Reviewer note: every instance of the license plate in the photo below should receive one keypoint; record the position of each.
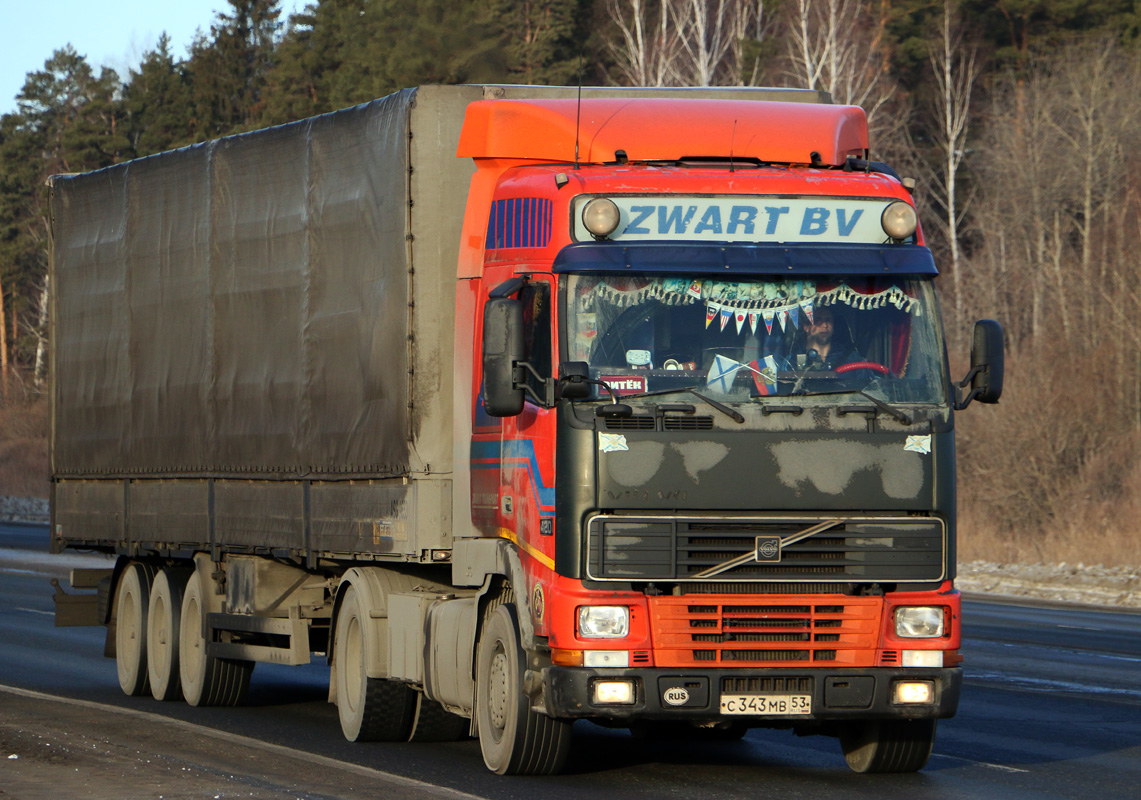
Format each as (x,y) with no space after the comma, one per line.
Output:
(766,704)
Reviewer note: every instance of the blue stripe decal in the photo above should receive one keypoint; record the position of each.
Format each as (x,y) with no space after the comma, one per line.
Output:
(508,454)
(519,222)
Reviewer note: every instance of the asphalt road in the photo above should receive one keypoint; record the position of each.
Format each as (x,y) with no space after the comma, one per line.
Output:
(1051,709)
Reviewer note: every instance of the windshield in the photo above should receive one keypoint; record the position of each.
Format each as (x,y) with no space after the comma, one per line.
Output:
(741,340)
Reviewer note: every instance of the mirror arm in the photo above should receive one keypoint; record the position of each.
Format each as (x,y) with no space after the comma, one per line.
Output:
(548,386)
(975,370)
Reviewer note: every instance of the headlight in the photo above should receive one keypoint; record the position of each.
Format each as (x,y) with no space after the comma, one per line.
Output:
(918,622)
(603,622)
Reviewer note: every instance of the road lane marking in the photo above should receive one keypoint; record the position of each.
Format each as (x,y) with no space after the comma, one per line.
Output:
(277,749)
(988,765)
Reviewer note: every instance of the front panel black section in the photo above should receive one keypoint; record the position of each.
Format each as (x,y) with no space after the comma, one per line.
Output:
(837,693)
(769,471)
(856,550)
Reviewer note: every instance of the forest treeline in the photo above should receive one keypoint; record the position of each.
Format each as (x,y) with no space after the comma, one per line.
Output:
(1018,119)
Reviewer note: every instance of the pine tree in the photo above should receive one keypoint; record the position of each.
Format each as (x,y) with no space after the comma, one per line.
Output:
(157,101)
(228,70)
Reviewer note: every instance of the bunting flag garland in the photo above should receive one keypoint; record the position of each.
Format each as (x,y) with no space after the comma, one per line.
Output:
(768,317)
(726,315)
(739,318)
(794,314)
(782,315)
(748,296)
(753,316)
(710,314)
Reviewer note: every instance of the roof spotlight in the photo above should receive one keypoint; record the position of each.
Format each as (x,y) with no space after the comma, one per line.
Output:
(601,217)
(899,220)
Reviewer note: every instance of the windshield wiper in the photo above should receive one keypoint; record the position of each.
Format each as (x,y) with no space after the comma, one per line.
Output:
(724,409)
(891,410)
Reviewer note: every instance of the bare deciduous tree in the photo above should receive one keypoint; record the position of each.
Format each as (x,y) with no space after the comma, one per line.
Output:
(685,42)
(838,46)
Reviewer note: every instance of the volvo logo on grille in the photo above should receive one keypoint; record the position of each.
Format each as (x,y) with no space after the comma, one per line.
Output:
(676,696)
(768,549)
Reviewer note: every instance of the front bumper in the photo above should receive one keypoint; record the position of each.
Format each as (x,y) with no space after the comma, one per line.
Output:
(837,694)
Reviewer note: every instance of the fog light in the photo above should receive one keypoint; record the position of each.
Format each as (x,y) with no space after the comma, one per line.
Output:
(914,692)
(923,658)
(606,658)
(613,692)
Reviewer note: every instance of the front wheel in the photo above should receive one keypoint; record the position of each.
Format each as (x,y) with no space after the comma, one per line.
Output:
(514,739)
(888,745)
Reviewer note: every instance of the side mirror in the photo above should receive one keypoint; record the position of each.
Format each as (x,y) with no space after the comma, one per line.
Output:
(502,350)
(987,352)
(574,380)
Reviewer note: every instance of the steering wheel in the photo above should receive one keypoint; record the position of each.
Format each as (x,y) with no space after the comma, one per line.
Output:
(872,365)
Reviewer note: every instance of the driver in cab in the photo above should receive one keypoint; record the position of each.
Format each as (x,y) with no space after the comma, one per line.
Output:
(828,344)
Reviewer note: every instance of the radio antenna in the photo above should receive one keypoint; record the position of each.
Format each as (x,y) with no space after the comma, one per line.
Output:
(732,139)
(578,111)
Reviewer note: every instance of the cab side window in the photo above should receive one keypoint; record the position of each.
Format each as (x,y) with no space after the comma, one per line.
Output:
(536,300)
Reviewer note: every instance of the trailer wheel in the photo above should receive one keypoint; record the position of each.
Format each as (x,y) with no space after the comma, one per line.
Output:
(888,745)
(163,616)
(371,709)
(514,739)
(131,604)
(206,680)
(434,723)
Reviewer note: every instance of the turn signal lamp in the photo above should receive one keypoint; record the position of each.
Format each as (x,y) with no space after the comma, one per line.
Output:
(899,221)
(601,217)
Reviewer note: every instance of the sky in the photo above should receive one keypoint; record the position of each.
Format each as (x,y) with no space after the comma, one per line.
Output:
(111,33)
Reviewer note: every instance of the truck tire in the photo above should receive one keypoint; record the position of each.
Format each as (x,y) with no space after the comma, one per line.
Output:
(163,616)
(888,745)
(206,680)
(514,739)
(132,601)
(433,723)
(371,709)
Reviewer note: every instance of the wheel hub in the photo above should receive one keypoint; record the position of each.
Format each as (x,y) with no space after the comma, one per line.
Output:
(497,681)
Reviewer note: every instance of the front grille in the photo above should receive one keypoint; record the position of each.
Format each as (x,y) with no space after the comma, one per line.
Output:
(856,550)
(729,632)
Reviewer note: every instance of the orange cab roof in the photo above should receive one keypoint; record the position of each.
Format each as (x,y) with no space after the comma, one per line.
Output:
(658,129)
